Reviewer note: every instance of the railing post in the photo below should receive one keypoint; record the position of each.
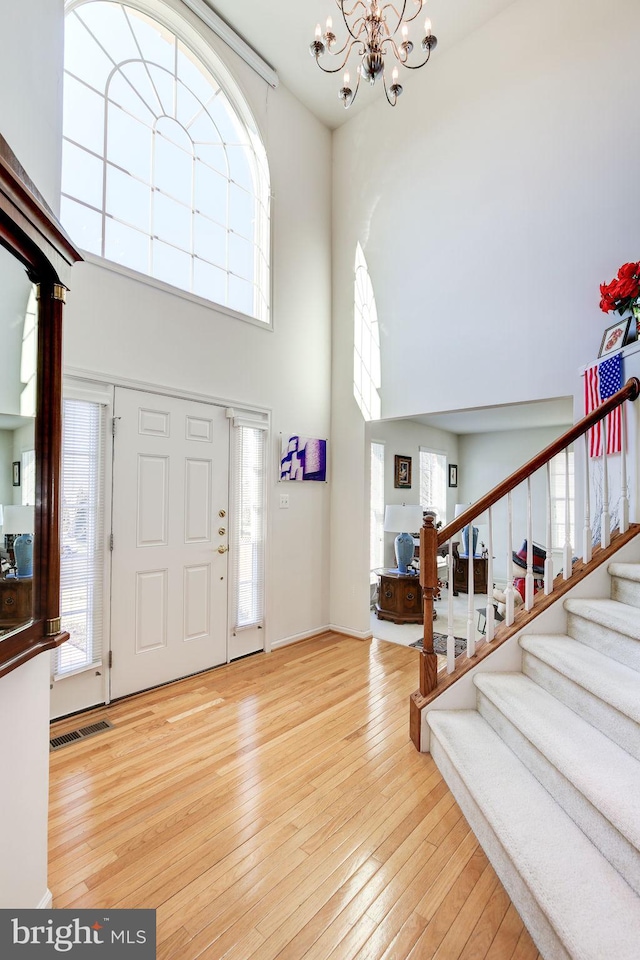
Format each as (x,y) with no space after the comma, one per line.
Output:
(429,584)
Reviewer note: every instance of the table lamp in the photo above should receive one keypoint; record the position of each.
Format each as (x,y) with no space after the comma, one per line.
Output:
(400,519)
(18,523)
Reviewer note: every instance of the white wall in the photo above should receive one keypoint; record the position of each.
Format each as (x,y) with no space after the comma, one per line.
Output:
(485,460)
(117,327)
(24,755)
(490,204)
(405,437)
(31,89)
(30,121)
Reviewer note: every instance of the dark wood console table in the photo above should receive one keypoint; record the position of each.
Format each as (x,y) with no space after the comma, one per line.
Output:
(461,574)
(15,601)
(399,597)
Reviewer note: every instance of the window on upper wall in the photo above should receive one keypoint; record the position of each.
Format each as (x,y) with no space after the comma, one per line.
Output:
(376,520)
(562,478)
(433,487)
(163,170)
(366,342)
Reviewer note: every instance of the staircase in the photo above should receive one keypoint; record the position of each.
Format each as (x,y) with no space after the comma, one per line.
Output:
(547,771)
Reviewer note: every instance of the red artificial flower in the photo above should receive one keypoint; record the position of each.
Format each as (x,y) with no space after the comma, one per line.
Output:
(627,270)
(623,291)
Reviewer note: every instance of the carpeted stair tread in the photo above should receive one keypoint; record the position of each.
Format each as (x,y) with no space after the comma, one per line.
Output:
(581,753)
(611,614)
(627,571)
(593,911)
(612,682)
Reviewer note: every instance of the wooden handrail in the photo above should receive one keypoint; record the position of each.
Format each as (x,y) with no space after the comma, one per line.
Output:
(630,391)
(431,539)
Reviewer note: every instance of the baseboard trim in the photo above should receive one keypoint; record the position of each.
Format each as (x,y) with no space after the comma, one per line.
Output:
(298,637)
(319,632)
(356,634)
(47,901)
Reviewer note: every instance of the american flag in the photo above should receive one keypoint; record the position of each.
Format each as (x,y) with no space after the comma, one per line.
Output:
(600,382)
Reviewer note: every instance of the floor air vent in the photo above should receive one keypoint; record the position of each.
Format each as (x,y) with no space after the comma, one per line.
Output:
(74,735)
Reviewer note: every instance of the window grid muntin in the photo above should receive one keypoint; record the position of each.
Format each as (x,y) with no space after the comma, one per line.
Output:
(254,162)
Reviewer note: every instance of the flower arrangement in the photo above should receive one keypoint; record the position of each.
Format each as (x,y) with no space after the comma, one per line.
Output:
(623,293)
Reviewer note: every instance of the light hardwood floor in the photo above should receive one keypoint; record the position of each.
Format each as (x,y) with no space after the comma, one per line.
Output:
(275,808)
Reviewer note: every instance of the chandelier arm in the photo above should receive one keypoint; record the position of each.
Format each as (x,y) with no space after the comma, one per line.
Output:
(350,13)
(418,66)
(394,47)
(400,16)
(342,65)
(391,102)
(355,92)
(416,14)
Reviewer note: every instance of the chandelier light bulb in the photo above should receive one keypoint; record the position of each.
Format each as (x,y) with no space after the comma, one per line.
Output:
(318,32)
(394,76)
(405,32)
(427,27)
(346,79)
(329,27)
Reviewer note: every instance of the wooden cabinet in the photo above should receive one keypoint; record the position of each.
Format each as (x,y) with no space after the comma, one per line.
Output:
(15,602)
(461,574)
(399,597)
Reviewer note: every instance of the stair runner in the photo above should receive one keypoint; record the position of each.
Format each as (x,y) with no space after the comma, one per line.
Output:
(547,772)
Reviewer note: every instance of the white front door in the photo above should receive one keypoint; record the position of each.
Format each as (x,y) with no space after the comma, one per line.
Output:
(170,506)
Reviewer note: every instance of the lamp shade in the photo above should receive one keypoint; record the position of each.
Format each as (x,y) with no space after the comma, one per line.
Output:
(402,518)
(18,519)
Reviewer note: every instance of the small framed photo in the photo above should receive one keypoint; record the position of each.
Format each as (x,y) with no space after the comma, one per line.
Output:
(614,337)
(453,474)
(16,473)
(402,472)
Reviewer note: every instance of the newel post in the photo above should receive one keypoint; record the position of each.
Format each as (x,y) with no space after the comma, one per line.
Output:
(429,584)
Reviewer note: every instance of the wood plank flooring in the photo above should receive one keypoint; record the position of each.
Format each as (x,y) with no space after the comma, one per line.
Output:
(275,808)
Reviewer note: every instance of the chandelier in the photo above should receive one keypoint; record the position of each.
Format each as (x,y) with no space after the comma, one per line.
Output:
(373,31)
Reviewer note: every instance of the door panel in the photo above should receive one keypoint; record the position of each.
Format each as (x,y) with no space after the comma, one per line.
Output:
(169,581)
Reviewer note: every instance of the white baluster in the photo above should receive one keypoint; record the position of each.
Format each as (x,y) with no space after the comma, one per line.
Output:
(568,549)
(605,536)
(471,630)
(624,486)
(587,542)
(528,580)
(490,625)
(548,563)
(509,603)
(451,643)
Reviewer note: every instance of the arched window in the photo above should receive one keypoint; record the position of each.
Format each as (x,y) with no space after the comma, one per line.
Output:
(163,170)
(366,342)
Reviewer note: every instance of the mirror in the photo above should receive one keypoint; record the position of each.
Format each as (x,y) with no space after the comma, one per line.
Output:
(18,343)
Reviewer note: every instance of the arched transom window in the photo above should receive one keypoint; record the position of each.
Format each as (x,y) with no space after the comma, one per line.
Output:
(163,170)
(366,342)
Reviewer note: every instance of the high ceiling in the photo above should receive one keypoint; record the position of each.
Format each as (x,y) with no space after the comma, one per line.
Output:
(281,31)
(557,412)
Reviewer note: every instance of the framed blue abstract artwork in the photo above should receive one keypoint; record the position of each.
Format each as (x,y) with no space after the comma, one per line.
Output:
(303,458)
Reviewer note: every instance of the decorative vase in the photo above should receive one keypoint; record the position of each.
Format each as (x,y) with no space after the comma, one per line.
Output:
(465,542)
(23,552)
(404,551)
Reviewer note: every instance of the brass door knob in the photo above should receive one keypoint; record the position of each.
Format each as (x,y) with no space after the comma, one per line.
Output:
(222,548)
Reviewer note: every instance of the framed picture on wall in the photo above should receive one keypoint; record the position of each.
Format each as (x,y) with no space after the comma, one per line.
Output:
(453,474)
(16,473)
(402,471)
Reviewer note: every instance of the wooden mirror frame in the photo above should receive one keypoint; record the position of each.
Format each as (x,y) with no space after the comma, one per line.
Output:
(30,231)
